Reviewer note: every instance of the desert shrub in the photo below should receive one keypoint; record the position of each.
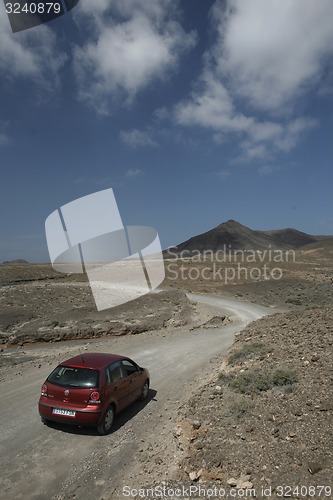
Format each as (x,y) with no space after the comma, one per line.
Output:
(256,381)
(251,382)
(258,349)
(284,376)
(295,300)
(240,408)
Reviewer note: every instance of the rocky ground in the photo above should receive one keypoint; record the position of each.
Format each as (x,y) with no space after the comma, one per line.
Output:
(39,305)
(265,418)
(263,423)
(300,279)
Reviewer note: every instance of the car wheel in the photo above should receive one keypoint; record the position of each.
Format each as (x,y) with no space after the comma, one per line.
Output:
(44,420)
(104,427)
(145,390)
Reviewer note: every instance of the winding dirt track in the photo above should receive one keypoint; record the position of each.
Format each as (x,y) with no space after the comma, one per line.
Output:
(59,462)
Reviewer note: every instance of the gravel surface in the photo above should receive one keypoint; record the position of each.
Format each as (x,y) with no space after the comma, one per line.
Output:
(265,418)
(258,420)
(61,462)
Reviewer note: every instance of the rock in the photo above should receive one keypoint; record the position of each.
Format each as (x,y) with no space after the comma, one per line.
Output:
(244,477)
(195,475)
(196,424)
(244,485)
(214,322)
(314,467)
(232,481)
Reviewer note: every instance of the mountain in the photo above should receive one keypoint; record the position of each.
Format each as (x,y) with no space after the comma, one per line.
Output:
(16,261)
(231,236)
(323,248)
(291,237)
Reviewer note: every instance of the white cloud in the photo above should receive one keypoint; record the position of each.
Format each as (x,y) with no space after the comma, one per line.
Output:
(161,114)
(266,169)
(265,139)
(291,134)
(252,151)
(31,54)
(136,138)
(223,174)
(262,61)
(134,172)
(273,50)
(211,106)
(120,59)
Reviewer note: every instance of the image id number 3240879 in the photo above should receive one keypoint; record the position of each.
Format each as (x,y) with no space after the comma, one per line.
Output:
(33,8)
(303,491)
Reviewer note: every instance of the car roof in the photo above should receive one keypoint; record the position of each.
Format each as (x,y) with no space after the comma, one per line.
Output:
(93,360)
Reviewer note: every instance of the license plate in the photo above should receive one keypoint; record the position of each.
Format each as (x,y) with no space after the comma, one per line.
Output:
(60,411)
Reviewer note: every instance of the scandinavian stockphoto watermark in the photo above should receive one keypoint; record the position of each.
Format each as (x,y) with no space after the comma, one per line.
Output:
(228,265)
(87,235)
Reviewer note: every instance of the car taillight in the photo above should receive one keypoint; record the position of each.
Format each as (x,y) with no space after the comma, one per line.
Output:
(94,396)
(44,390)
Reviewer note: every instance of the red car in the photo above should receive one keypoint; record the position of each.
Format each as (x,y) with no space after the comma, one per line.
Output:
(90,389)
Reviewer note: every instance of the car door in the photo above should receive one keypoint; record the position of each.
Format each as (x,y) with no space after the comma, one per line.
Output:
(117,389)
(134,379)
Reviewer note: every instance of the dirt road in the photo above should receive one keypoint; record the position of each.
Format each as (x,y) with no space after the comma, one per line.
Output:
(58,462)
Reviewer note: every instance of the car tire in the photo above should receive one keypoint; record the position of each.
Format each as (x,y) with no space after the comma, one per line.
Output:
(145,391)
(105,425)
(44,420)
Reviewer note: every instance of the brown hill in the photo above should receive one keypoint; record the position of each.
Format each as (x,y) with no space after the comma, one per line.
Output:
(16,261)
(231,236)
(322,248)
(291,237)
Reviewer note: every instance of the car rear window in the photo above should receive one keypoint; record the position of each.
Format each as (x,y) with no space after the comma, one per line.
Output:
(69,376)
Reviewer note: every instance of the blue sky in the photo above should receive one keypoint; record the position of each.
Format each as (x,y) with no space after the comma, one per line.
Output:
(193,111)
